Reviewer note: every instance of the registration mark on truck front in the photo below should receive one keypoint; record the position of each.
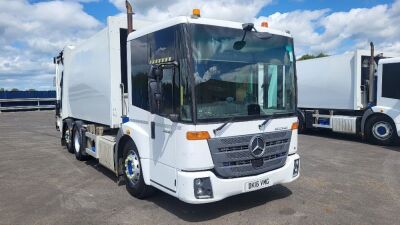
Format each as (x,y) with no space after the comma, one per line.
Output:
(258,184)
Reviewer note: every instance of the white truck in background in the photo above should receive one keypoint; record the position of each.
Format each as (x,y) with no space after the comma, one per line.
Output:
(336,93)
(198,108)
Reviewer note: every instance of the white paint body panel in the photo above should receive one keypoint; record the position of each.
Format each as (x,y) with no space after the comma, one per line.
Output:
(344,124)
(224,188)
(183,19)
(172,158)
(329,82)
(92,75)
(332,82)
(104,149)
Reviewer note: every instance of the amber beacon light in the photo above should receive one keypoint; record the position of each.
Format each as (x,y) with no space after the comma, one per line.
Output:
(264,24)
(196,13)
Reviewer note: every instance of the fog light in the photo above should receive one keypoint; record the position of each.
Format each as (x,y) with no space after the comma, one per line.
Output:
(202,188)
(296,167)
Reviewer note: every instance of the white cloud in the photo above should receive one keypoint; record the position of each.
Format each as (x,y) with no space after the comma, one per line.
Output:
(31,33)
(236,10)
(331,32)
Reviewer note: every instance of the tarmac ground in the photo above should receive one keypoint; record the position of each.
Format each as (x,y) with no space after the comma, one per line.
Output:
(343,181)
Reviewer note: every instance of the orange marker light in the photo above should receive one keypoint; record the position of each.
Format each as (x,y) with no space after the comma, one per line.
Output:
(295,126)
(196,12)
(197,135)
(264,24)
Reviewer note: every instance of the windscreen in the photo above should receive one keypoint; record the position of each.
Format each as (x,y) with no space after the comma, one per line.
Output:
(256,79)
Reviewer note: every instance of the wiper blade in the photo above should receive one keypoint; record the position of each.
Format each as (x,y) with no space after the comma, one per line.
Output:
(223,125)
(272,116)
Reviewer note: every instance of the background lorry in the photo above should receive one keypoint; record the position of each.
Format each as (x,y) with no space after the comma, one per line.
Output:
(355,93)
(198,108)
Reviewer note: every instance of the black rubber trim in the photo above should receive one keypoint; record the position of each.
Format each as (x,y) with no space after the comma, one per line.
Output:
(365,116)
(169,189)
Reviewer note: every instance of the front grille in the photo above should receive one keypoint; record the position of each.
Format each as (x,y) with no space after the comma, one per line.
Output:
(232,157)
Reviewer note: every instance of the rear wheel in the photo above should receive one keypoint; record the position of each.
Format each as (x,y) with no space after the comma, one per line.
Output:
(381,130)
(68,137)
(79,142)
(133,174)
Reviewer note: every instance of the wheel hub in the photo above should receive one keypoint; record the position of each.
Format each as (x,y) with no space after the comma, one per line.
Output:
(382,130)
(67,136)
(76,142)
(132,167)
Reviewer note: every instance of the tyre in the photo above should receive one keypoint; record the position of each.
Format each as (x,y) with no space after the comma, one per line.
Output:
(380,130)
(67,138)
(133,174)
(79,142)
(302,125)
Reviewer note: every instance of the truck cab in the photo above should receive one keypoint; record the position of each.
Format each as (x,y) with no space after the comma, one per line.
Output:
(211,108)
(388,98)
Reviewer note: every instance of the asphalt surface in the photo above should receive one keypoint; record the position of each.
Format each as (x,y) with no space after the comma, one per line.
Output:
(343,181)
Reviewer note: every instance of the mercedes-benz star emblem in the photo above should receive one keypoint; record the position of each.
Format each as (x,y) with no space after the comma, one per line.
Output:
(257,146)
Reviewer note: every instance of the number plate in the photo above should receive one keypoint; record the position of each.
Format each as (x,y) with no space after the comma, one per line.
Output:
(258,184)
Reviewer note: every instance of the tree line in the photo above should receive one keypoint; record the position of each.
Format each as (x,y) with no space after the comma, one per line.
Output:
(310,56)
(16,89)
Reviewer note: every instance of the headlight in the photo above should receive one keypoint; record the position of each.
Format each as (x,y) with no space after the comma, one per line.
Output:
(202,188)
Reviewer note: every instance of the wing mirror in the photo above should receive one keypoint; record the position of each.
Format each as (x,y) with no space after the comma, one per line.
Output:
(157,73)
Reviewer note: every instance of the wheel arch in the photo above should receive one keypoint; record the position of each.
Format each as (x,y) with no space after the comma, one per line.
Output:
(121,141)
(65,124)
(301,119)
(368,115)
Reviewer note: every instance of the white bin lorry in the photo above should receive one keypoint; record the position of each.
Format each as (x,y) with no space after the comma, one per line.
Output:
(356,93)
(198,108)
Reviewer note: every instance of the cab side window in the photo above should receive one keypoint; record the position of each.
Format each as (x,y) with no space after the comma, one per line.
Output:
(162,49)
(140,70)
(391,80)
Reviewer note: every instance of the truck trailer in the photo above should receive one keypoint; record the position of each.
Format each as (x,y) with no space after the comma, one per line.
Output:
(355,93)
(198,108)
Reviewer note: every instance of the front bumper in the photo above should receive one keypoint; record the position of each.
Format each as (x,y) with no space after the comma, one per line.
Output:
(223,188)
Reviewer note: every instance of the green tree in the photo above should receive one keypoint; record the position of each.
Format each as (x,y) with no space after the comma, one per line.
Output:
(308,56)
(2,89)
(14,89)
(31,89)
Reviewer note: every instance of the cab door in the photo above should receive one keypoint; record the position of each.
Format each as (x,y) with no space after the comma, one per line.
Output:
(163,171)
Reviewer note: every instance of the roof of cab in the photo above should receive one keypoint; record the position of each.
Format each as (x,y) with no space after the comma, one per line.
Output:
(184,19)
(389,60)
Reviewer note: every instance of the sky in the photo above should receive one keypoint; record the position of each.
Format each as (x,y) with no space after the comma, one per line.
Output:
(33,31)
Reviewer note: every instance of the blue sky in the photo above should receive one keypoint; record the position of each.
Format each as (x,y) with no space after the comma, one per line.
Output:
(33,31)
(334,5)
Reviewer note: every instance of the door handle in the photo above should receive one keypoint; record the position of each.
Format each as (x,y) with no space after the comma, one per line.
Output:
(167,131)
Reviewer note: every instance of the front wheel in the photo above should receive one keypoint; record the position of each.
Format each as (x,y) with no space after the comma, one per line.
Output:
(133,174)
(380,130)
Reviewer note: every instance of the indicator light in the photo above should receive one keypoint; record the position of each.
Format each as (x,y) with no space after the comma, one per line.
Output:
(197,135)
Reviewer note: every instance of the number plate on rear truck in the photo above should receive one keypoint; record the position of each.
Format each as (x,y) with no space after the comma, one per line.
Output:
(257,184)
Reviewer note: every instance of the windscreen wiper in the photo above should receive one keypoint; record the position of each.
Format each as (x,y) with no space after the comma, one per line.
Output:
(272,116)
(223,125)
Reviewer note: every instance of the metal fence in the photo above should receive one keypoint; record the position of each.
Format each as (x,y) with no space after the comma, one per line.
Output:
(27,100)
